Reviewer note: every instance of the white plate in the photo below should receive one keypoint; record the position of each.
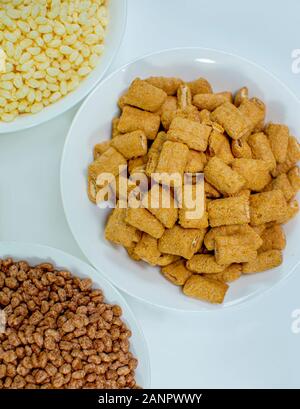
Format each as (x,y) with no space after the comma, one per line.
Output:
(35,254)
(92,125)
(114,35)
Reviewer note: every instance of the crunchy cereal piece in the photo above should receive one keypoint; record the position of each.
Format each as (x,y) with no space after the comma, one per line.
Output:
(293,156)
(294,178)
(141,94)
(255,110)
(121,102)
(244,229)
(240,96)
(114,127)
(205,289)
(230,274)
(100,148)
(131,252)
(168,84)
(109,162)
(234,249)
(168,111)
(241,149)
(204,116)
(172,160)
(181,242)
(264,261)
(282,183)
(200,86)
(222,177)
(261,149)
(195,162)
(211,101)
(194,215)
(131,145)
(92,189)
(137,163)
(144,221)
(133,119)
(166,259)
(291,211)
(193,134)
(118,231)
(210,191)
(254,171)
(160,202)
(154,152)
(218,145)
(205,263)
(176,272)
(244,192)
(273,239)
(235,123)
(232,210)
(267,207)
(279,138)
(147,249)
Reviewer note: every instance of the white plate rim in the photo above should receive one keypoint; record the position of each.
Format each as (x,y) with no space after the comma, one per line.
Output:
(77,95)
(251,298)
(33,250)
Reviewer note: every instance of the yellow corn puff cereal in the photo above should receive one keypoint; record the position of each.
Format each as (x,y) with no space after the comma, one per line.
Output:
(218,145)
(181,242)
(176,272)
(144,221)
(168,84)
(160,202)
(211,101)
(204,263)
(230,274)
(267,207)
(200,86)
(241,95)
(235,123)
(255,110)
(222,177)
(282,183)
(261,149)
(131,145)
(241,149)
(195,162)
(294,178)
(172,160)
(264,261)
(234,249)
(232,210)
(205,289)
(118,231)
(254,171)
(168,111)
(279,138)
(273,239)
(147,249)
(193,134)
(141,94)
(133,119)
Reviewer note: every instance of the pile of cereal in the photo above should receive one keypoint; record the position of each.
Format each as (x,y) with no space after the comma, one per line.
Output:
(50,47)
(251,180)
(59,332)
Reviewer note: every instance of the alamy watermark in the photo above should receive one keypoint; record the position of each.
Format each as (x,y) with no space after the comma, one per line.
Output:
(163,191)
(295,327)
(296,61)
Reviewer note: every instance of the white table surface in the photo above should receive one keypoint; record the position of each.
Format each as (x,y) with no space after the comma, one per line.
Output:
(252,347)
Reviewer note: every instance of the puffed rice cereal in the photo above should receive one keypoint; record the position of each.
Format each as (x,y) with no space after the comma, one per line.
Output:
(50,46)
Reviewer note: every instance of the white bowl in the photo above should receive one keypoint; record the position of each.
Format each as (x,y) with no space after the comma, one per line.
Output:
(115,32)
(35,254)
(91,125)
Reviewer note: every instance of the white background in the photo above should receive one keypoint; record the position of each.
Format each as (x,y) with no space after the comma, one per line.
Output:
(252,347)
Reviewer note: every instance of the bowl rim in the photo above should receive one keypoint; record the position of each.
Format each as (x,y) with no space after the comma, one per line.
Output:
(84,266)
(42,116)
(251,298)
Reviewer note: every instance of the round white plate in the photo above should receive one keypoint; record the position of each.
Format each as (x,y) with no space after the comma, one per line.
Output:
(92,124)
(114,35)
(35,254)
